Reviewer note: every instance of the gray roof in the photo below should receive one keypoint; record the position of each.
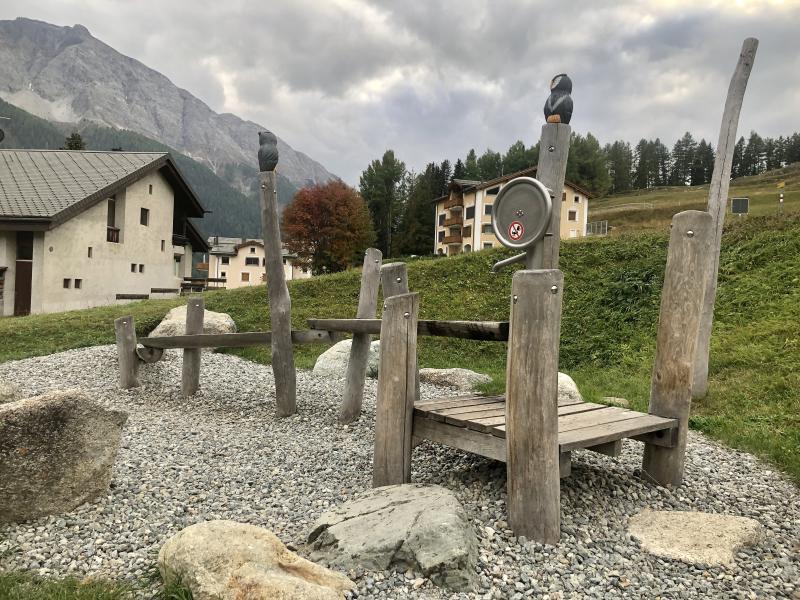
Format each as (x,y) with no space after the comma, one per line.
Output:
(229,246)
(47,184)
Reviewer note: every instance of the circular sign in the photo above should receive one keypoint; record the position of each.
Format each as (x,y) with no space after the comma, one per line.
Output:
(521,212)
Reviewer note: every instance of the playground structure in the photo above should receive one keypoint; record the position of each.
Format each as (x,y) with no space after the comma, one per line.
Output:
(528,428)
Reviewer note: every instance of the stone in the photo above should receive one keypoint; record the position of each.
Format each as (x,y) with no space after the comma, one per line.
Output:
(174,323)
(9,392)
(333,362)
(461,379)
(613,401)
(419,527)
(57,451)
(226,560)
(568,389)
(698,538)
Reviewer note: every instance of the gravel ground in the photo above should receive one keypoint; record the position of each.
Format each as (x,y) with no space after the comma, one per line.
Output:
(223,455)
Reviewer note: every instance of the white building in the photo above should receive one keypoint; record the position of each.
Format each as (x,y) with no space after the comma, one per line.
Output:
(241,262)
(81,229)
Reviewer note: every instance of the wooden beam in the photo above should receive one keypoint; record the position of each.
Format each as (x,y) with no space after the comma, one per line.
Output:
(608,448)
(232,340)
(190,376)
(125,331)
(551,170)
(496,331)
(132,297)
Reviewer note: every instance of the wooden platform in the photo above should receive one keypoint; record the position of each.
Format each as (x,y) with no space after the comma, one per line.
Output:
(477,424)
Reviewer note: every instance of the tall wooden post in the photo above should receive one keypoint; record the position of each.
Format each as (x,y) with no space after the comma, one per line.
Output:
(688,262)
(394,413)
(190,377)
(394,281)
(359,350)
(280,304)
(717,205)
(532,453)
(125,331)
(551,170)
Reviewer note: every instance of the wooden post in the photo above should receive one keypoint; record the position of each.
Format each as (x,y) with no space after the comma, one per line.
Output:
(280,304)
(532,452)
(359,350)
(690,244)
(125,331)
(717,205)
(394,281)
(551,170)
(396,391)
(190,377)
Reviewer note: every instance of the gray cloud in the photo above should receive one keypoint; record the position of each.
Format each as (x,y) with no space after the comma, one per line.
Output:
(346,79)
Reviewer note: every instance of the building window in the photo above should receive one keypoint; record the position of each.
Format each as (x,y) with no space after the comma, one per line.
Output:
(78,284)
(487,228)
(133,268)
(178,266)
(441,220)
(467,248)
(573,215)
(470,213)
(487,209)
(577,199)
(245,276)
(493,192)
(251,261)
(150,189)
(163,245)
(67,283)
(141,268)
(563,196)
(305,269)
(252,250)
(90,252)
(222,274)
(487,245)
(467,231)
(441,236)
(112,231)
(144,216)
(226,260)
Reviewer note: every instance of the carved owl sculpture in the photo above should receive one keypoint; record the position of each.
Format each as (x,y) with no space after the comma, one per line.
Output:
(558,108)
(267,151)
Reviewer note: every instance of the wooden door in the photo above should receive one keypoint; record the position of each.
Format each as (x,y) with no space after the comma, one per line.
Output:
(22,287)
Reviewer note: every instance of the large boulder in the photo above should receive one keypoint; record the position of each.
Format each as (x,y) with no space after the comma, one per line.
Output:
(174,323)
(57,451)
(461,379)
(8,392)
(421,527)
(225,560)
(333,362)
(698,538)
(568,389)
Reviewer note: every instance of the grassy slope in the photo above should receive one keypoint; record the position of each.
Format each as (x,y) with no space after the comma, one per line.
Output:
(612,295)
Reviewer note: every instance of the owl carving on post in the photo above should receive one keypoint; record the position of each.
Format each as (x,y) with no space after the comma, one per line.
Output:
(558,108)
(267,151)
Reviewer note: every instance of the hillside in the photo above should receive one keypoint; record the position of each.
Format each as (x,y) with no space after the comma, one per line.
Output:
(232,213)
(611,302)
(653,208)
(65,74)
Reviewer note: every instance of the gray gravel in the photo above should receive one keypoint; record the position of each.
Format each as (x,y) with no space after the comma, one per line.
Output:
(223,455)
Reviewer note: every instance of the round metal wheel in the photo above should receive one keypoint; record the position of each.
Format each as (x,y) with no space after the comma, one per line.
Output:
(521,213)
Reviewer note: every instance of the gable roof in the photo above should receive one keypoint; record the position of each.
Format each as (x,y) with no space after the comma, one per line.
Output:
(230,246)
(49,187)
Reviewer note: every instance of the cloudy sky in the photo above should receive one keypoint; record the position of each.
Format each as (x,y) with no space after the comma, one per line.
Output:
(343,80)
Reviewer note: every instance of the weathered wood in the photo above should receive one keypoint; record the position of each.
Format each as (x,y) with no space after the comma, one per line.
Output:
(496,331)
(125,331)
(132,296)
(164,290)
(608,432)
(190,377)
(233,340)
(690,243)
(394,279)
(359,350)
(532,405)
(717,205)
(608,448)
(394,412)
(564,464)
(280,304)
(149,355)
(552,167)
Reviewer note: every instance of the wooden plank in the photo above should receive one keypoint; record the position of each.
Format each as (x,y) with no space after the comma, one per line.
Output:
(608,448)
(125,331)
(232,340)
(668,438)
(532,405)
(164,290)
(456,401)
(552,167)
(280,304)
(496,331)
(132,296)
(608,432)
(690,244)
(495,424)
(717,206)
(396,391)
(564,464)
(466,412)
(353,395)
(394,279)
(190,375)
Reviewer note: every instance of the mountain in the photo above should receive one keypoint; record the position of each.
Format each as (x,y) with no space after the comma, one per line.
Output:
(65,74)
(232,213)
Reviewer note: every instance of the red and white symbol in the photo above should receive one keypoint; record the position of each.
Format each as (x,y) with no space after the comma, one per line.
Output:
(516,230)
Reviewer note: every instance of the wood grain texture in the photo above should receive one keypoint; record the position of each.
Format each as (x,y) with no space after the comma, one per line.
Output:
(190,375)
(691,241)
(233,340)
(532,405)
(280,304)
(550,171)
(125,331)
(717,206)
(394,412)
(353,395)
(496,331)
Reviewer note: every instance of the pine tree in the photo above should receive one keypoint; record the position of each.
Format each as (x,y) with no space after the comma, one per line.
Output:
(619,162)
(379,186)
(516,158)
(74,142)
(471,170)
(737,164)
(459,170)
(490,165)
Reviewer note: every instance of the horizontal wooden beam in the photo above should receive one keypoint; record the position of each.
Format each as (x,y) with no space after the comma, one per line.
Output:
(164,290)
(133,296)
(473,330)
(232,340)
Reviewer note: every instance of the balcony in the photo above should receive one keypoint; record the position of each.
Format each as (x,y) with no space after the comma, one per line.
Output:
(456,220)
(179,239)
(454,203)
(112,234)
(452,239)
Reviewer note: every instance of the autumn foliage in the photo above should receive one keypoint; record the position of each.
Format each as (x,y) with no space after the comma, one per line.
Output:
(328,227)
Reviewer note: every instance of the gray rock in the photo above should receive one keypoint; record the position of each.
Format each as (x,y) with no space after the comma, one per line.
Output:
(418,527)
(8,392)
(333,362)
(461,379)
(567,388)
(614,401)
(56,452)
(174,323)
(226,560)
(698,538)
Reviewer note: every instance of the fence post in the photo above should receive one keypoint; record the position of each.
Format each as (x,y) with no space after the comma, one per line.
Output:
(125,331)
(394,281)
(532,452)
(359,350)
(689,259)
(394,413)
(551,170)
(190,377)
